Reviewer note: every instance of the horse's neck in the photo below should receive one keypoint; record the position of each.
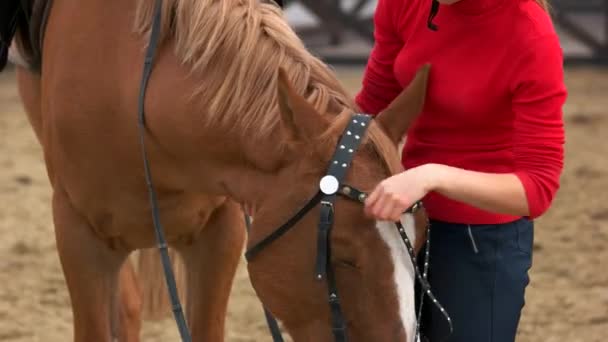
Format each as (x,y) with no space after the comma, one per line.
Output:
(228,160)
(237,166)
(247,168)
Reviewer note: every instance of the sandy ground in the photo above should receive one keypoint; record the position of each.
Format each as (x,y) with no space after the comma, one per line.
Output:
(567,299)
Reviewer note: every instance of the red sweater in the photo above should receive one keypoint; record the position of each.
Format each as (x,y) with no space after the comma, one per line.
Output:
(494,99)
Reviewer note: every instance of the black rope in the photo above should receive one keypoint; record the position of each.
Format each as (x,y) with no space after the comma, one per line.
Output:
(427,250)
(158,229)
(422,277)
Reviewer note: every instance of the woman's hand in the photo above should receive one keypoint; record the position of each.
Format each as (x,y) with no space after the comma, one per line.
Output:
(396,194)
(502,193)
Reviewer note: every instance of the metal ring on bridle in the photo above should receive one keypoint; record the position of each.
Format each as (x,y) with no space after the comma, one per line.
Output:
(329,185)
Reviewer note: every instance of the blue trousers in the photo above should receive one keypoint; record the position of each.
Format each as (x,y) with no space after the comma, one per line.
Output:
(479,273)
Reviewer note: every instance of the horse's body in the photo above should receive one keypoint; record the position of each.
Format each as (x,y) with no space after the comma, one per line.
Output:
(107,208)
(127,316)
(212,144)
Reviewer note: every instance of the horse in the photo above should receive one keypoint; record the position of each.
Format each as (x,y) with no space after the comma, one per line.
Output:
(141,287)
(238,112)
(130,308)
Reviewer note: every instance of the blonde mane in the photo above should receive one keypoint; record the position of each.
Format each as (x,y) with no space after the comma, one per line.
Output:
(236,47)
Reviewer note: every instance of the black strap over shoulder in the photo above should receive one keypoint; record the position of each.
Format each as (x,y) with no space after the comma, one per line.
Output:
(158,229)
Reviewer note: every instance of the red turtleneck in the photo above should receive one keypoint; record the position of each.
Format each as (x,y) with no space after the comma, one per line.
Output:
(495,93)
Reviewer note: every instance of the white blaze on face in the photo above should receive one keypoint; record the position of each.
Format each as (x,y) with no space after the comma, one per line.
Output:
(403,270)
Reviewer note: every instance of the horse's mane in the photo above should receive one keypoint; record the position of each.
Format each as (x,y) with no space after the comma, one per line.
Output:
(237,46)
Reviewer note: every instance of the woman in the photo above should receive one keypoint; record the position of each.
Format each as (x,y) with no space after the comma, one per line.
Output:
(486,153)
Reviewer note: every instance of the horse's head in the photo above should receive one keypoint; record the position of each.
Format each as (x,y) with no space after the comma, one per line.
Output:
(372,270)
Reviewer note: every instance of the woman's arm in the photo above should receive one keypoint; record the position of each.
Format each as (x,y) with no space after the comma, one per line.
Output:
(379,86)
(501,193)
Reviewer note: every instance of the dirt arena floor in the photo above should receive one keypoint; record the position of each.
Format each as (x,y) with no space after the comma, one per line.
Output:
(567,299)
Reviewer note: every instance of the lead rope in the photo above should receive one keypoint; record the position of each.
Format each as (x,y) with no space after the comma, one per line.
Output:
(158,229)
(426,287)
(427,249)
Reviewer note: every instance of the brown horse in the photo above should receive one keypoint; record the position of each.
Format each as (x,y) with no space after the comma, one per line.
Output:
(220,134)
(129,305)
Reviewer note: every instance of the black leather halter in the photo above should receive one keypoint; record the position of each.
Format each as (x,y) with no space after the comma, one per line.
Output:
(330,187)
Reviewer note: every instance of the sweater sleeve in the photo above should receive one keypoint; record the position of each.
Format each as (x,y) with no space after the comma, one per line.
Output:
(538,95)
(380,86)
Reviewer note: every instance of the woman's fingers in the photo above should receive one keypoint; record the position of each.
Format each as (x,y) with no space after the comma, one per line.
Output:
(386,210)
(396,209)
(372,201)
(384,205)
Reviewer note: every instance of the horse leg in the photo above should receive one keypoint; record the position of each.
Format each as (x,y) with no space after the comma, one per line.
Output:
(129,305)
(211,262)
(91,271)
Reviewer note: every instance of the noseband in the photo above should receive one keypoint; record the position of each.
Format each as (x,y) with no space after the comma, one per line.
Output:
(330,187)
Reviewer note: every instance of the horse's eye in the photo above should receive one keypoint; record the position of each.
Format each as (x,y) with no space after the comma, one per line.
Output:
(350,264)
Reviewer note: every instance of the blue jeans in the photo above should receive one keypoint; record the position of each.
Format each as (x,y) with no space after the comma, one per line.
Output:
(479,273)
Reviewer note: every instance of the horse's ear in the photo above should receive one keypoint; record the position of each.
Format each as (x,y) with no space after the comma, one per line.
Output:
(398,116)
(301,121)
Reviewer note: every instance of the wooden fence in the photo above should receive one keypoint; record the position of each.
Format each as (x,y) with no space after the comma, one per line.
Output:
(342,30)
